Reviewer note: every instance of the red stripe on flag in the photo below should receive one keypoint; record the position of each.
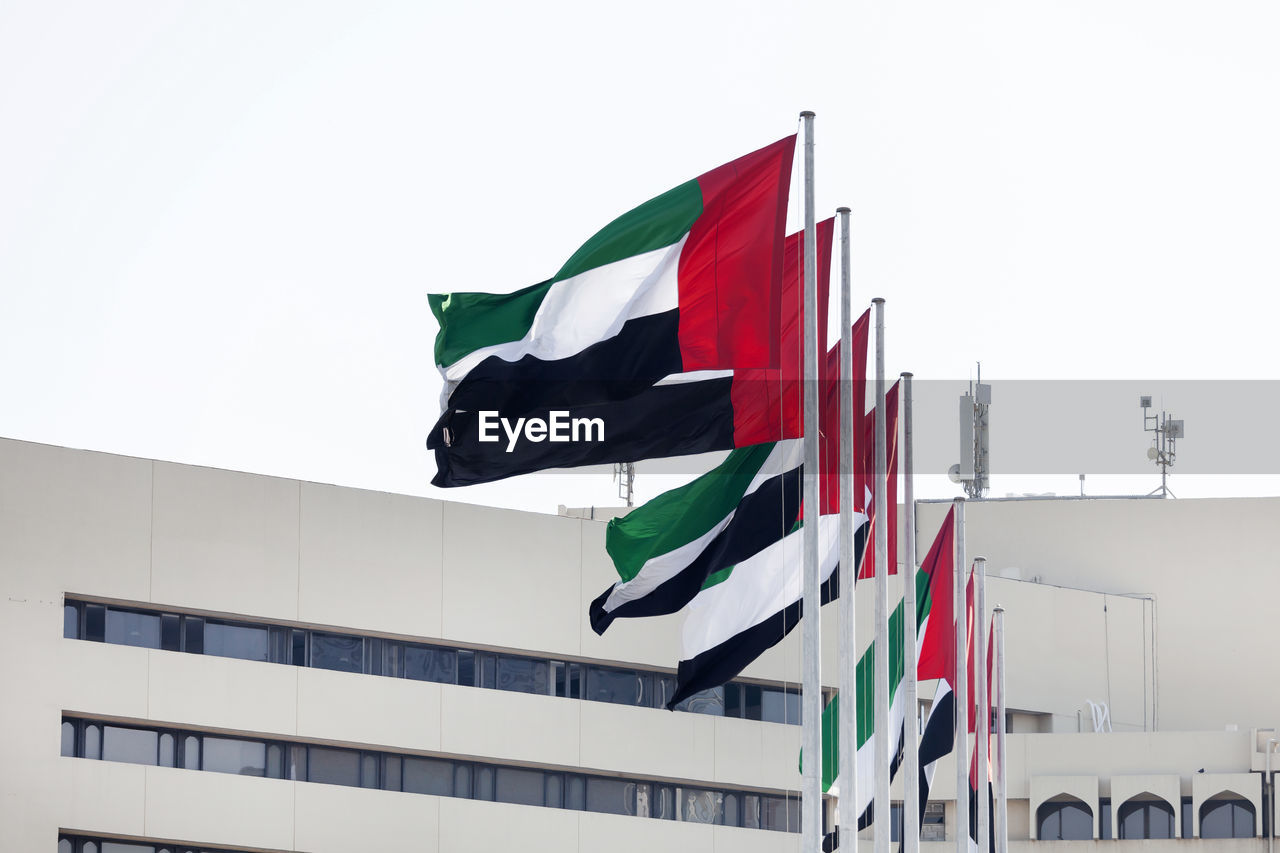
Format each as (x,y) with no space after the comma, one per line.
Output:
(731,265)
(768,404)
(938,646)
(864,480)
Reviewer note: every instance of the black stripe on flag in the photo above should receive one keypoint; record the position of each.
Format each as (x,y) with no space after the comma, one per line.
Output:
(761,519)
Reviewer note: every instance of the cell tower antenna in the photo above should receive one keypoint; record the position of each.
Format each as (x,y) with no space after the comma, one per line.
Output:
(1164,442)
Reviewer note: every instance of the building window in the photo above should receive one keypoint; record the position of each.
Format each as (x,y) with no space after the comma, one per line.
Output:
(132,746)
(228,640)
(337,651)
(231,755)
(1145,819)
(127,628)
(934,825)
(1064,820)
(1227,818)
(354,653)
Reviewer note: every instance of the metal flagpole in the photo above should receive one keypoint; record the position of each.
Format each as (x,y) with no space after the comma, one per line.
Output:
(880,808)
(982,727)
(811,651)
(961,691)
(848,748)
(1002,769)
(910,706)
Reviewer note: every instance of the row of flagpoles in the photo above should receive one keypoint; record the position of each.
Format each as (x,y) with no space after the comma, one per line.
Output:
(984,836)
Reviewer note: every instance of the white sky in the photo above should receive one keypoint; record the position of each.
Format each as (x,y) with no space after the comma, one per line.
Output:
(219,221)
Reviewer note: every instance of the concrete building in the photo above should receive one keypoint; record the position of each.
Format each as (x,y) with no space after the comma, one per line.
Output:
(210,660)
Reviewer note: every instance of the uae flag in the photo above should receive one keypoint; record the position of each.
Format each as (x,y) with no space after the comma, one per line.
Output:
(666,551)
(931,582)
(680,414)
(975,717)
(938,656)
(743,611)
(687,281)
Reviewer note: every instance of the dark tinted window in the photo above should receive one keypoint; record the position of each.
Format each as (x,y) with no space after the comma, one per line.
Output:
(515,785)
(69,739)
(121,847)
(610,685)
(1064,822)
(134,746)
(171,632)
(1145,819)
(706,702)
(427,664)
(428,776)
(71,621)
(334,766)
(523,675)
(612,796)
(780,813)
(780,706)
(92,740)
(336,651)
(95,622)
(232,755)
(133,629)
(1227,819)
(193,641)
(575,793)
(235,641)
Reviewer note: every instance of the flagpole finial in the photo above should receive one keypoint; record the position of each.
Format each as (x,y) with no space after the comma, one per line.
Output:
(997,609)
(906,374)
(843,210)
(807,114)
(958,500)
(879,300)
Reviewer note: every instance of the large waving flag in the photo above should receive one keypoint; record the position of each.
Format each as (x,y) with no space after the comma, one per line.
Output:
(666,550)
(932,583)
(747,609)
(690,280)
(681,414)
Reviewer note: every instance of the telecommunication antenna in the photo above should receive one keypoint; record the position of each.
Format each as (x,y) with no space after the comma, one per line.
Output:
(1164,444)
(974,467)
(624,474)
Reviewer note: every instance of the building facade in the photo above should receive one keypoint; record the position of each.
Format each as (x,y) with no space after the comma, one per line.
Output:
(212,660)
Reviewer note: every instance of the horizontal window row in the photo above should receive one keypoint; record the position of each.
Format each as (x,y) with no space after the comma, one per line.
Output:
(444,777)
(68,843)
(420,661)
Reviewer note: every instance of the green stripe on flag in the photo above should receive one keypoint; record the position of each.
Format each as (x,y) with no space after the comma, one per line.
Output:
(681,515)
(865,681)
(658,222)
(470,321)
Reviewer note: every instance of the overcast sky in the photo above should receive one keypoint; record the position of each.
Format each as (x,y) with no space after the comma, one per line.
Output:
(219,221)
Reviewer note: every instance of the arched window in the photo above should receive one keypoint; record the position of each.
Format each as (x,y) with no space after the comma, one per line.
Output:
(1145,818)
(1064,819)
(1228,817)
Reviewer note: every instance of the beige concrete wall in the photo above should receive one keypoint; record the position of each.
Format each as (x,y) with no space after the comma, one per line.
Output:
(239,544)
(1209,565)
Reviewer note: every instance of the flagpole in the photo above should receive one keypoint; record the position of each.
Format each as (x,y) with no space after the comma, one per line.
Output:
(910,704)
(811,651)
(961,690)
(982,726)
(1002,788)
(849,419)
(880,808)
